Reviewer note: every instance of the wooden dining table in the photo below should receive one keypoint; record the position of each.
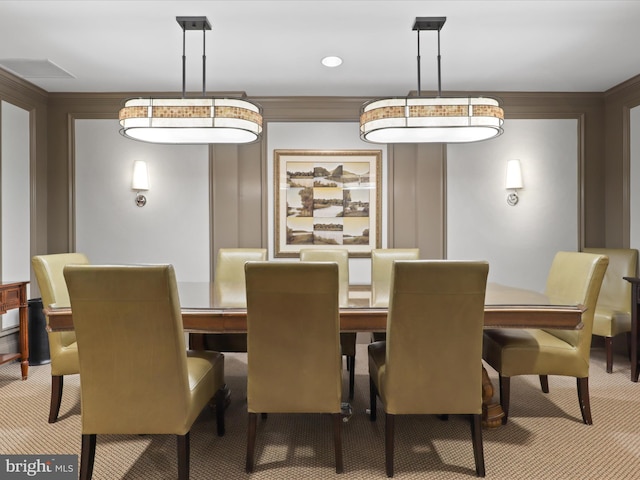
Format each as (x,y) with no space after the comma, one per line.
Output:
(208,308)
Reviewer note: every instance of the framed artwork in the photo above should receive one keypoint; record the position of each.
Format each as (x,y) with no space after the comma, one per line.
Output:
(327,199)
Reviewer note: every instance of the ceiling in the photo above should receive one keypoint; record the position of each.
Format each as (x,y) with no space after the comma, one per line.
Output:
(274,48)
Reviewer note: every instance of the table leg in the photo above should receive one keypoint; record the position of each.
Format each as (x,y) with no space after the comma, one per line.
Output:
(634,333)
(24,341)
(196,341)
(491,411)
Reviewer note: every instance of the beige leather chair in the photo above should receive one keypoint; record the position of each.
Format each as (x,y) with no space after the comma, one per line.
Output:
(574,278)
(62,345)
(381,269)
(431,362)
(137,376)
(613,310)
(347,340)
(229,287)
(295,305)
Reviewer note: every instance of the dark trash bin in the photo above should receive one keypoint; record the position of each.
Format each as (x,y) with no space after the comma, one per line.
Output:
(38,338)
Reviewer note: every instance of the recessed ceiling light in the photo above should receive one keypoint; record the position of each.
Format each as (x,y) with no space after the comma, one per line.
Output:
(332,61)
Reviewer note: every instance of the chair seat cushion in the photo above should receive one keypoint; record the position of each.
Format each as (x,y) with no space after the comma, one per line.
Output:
(202,366)
(65,360)
(531,352)
(377,352)
(609,321)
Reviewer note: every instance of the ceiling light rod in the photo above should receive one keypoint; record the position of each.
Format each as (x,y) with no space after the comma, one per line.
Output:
(184,120)
(429,23)
(424,119)
(194,23)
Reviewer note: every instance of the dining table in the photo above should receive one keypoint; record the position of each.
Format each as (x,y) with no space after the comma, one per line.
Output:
(209,308)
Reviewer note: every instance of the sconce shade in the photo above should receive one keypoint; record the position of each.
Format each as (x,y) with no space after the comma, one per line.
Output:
(140,179)
(430,119)
(514,175)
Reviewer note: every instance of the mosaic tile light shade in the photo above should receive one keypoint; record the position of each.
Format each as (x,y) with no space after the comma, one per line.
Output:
(191,120)
(431,120)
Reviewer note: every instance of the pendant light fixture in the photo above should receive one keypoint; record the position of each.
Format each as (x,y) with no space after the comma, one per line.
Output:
(430,119)
(191,120)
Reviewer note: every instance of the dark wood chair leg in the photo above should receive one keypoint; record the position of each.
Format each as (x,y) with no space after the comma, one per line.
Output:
(388,443)
(183,456)
(57,382)
(337,441)
(87,455)
(220,398)
(544,383)
(583,398)
(608,350)
(476,438)
(373,392)
(505,391)
(251,440)
(351,361)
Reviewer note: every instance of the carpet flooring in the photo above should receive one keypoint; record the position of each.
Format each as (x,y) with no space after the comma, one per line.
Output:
(544,439)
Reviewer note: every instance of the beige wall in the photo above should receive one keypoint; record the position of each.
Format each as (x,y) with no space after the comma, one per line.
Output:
(618,101)
(238,176)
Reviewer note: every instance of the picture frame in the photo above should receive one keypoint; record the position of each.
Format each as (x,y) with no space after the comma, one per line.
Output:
(327,199)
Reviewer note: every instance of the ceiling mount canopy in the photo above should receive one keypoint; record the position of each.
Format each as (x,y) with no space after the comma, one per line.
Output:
(191,120)
(418,119)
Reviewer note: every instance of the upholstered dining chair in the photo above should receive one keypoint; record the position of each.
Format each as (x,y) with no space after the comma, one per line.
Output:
(431,361)
(381,269)
(613,309)
(293,304)
(229,285)
(136,375)
(63,349)
(574,278)
(347,339)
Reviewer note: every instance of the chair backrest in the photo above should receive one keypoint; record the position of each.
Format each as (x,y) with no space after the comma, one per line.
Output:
(434,337)
(576,278)
(131,348)
(229,274)
(615,292)
(49,275)
(293,338)
(339,256)
(53,290)
(381,269)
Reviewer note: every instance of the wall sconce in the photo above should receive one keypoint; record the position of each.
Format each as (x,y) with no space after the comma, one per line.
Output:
(140,181)
(513,181)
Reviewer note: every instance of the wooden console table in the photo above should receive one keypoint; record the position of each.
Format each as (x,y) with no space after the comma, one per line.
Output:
(14,295)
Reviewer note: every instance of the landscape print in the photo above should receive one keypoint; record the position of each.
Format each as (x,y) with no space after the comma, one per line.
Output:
(327,199)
